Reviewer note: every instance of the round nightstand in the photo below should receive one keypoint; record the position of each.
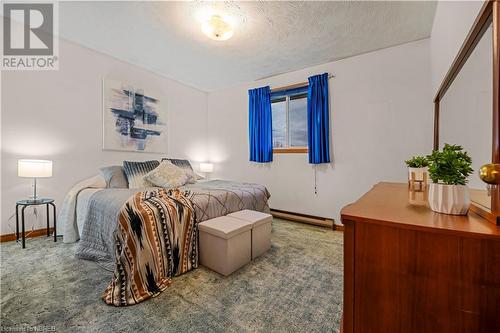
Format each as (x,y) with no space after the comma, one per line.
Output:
(26,203)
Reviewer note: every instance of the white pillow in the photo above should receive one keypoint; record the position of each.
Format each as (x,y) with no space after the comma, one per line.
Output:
(167,175)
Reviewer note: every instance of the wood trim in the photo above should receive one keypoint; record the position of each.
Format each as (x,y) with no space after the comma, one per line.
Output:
(495,148)
(436,126)
(296,85)
(308,219)
(484,213)
(477,31)
(29,234)
(291,150)
(495,158)
(338,227)
(489,13)
(495,205)
(291,86)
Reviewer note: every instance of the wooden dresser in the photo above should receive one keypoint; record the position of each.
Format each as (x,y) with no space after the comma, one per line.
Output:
(408,269)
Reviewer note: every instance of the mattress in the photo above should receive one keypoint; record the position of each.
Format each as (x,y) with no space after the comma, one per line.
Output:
(98,210)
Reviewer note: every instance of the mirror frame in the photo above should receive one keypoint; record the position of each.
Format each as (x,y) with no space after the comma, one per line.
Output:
(489,14)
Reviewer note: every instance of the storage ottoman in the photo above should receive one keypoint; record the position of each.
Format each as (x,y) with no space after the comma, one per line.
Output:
(261,229)
(225,244)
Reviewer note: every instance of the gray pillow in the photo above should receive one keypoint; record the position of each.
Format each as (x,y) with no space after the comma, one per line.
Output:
(114,177)
(135,172)
(186,166)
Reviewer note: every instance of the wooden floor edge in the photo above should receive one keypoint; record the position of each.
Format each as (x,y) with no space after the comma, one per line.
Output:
(308,219)
(29,234)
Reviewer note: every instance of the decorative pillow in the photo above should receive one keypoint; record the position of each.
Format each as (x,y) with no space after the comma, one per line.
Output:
(114,176)
(135,172)
(186,166)
(167,175)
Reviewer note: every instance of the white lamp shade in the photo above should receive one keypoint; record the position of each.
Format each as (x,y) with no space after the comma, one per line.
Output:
(34,168)
(206,167)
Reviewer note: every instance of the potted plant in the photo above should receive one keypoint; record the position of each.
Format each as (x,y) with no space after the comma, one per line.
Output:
(417,166)
(449,170)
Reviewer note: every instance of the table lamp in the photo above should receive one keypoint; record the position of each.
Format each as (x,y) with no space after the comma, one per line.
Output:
(206,168)
(34,169)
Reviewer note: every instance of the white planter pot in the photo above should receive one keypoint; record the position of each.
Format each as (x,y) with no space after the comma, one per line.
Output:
(449,199)
(419,173)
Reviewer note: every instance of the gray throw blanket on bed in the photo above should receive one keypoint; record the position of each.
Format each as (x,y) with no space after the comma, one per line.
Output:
(210,199)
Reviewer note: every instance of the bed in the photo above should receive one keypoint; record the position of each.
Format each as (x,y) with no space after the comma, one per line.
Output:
(96,211)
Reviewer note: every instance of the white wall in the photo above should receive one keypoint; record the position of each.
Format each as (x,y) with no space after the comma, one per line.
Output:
(452,23)
(56,115)
(381,107)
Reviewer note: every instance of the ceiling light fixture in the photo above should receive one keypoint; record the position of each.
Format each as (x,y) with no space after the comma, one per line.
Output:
(217,27)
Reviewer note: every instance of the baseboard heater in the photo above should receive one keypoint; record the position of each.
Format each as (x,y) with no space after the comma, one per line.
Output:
(308,219)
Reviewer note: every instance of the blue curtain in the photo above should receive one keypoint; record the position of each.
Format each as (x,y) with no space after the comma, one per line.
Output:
(318,119)
(260,125)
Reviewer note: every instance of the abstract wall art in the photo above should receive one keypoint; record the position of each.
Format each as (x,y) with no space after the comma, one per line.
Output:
(133,119)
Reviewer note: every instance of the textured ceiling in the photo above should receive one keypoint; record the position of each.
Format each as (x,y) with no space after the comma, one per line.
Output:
(270,37)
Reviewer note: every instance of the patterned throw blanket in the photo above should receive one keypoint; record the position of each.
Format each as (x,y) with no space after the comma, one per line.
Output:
(156,239)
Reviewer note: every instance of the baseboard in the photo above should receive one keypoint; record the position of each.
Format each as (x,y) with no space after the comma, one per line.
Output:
(308,219)
(28,234)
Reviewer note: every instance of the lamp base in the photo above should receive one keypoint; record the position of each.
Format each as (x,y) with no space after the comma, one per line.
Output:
(34,198)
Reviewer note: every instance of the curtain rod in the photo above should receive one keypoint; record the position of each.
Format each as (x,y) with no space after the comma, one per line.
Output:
(297,85)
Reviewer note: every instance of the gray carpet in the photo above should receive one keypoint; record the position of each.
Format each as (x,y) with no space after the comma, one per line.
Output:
(295,287)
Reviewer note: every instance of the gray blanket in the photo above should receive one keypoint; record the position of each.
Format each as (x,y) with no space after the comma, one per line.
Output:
(210,199)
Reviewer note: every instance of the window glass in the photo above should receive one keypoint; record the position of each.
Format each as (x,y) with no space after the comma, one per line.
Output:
(279,123)
(297,114)
(289,120)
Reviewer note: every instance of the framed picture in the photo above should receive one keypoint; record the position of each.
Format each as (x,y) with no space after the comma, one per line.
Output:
(133,119)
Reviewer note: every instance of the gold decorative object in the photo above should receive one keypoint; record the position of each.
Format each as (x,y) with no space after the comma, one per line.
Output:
(418,186)
(418,198)
(490,173)
(418,179)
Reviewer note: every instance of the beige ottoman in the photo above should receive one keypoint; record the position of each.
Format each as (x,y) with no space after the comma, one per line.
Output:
(261,229)
(225,244)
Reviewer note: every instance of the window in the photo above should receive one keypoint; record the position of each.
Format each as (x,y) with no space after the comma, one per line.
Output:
(290,123)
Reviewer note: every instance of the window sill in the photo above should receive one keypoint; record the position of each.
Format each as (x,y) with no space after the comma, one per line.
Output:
(293,150)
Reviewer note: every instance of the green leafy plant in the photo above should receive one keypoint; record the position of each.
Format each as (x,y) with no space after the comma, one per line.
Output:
(451,166)
(417,162)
